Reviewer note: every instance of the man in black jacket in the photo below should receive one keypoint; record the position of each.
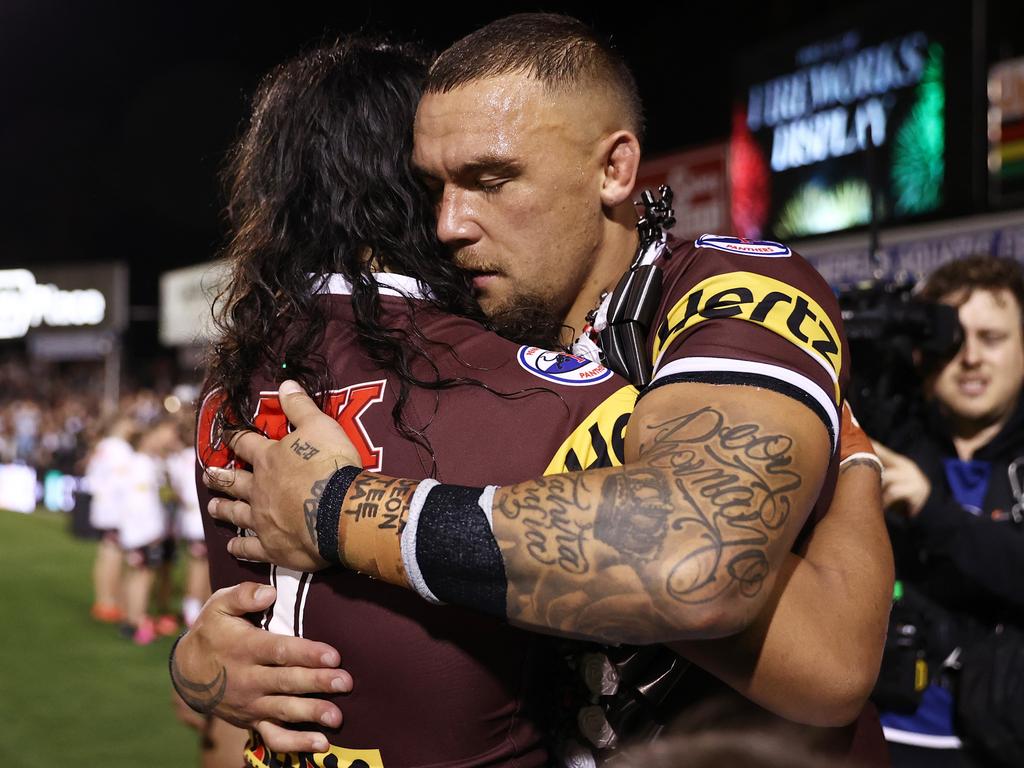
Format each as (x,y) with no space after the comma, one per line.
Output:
(952,488)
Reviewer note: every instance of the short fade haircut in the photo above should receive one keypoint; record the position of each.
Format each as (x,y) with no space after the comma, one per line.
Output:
(959,279)
(558,51)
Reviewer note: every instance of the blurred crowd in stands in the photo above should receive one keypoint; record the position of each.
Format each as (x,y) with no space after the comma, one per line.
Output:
(51,416)
(130,466)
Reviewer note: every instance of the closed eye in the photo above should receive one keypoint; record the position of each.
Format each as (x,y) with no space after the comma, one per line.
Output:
(491,186)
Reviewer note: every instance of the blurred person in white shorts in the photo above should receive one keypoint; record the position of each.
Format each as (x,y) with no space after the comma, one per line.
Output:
(107,474)
(181,471)
(144,526)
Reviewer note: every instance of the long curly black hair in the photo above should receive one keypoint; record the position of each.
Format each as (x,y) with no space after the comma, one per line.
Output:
(321,183)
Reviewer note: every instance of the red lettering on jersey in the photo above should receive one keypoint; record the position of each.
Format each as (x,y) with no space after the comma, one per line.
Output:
(346,406)
(210,447)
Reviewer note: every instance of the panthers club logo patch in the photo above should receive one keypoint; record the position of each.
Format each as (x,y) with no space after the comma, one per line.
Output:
(561,368)
(764,248)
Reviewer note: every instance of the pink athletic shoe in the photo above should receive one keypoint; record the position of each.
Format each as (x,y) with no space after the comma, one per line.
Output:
(145,633)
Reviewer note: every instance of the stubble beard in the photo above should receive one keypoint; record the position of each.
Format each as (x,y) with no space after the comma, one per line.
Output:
(528,319)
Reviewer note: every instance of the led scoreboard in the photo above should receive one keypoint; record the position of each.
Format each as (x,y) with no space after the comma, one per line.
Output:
(820,121)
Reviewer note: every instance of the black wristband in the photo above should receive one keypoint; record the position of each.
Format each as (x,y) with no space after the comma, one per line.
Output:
(457,552)
(328,512)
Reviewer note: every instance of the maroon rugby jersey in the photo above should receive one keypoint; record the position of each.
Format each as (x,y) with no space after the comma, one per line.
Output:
(752,312)
(437,686)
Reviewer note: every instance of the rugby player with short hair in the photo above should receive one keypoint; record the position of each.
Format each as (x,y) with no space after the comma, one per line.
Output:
(787,428)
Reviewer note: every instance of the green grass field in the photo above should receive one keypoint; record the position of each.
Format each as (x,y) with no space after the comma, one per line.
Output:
(71,690)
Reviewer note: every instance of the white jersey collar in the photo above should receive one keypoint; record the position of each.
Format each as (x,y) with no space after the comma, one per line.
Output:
(389,284)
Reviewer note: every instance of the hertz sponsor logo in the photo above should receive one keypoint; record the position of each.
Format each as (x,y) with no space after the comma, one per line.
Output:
(599,440)
(773,304)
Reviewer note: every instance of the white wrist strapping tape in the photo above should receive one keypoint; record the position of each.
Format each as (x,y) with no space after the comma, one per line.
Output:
(487,503)
(412,567)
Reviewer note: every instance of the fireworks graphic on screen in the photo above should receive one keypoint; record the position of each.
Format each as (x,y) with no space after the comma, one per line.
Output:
(918,160)
(816,208)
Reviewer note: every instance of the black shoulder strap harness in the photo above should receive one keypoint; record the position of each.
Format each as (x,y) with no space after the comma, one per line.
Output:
(637,295)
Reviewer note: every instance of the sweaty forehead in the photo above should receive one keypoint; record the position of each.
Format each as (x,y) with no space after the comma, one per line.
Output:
(508,116)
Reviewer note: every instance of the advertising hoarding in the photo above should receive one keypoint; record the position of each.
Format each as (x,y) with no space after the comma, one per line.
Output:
(699,179)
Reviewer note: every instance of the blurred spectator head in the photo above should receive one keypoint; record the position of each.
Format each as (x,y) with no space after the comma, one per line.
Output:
(119,425)
(186,422)
(980,385)
(159,438)
(728,730)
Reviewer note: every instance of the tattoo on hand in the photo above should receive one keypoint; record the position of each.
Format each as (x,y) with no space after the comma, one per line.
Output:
(201,697)
(311,505)
(304,450)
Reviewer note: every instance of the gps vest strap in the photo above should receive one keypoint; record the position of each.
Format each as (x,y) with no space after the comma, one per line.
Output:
(632,307)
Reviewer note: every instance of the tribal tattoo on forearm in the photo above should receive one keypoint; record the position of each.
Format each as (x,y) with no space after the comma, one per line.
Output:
(201,697)
(694,518)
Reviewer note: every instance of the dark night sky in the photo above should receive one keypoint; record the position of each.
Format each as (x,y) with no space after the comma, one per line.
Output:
(116,117)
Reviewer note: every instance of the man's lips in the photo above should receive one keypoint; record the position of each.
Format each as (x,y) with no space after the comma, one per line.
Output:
(481,276)
(481,280)
(972,387)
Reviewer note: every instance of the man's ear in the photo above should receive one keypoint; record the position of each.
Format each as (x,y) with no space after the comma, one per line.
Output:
(621,161)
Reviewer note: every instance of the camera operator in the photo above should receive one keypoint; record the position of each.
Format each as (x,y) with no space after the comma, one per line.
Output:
(952,491)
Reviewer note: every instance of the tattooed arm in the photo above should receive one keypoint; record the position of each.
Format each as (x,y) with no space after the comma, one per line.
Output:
(813,654)
(686,539)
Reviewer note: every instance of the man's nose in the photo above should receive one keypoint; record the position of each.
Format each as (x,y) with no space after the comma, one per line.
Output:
(456,222)
(970,351)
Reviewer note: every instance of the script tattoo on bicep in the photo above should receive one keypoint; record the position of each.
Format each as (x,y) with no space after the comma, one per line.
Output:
(547,510)
(201,697)
(733,486)
(694,519)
